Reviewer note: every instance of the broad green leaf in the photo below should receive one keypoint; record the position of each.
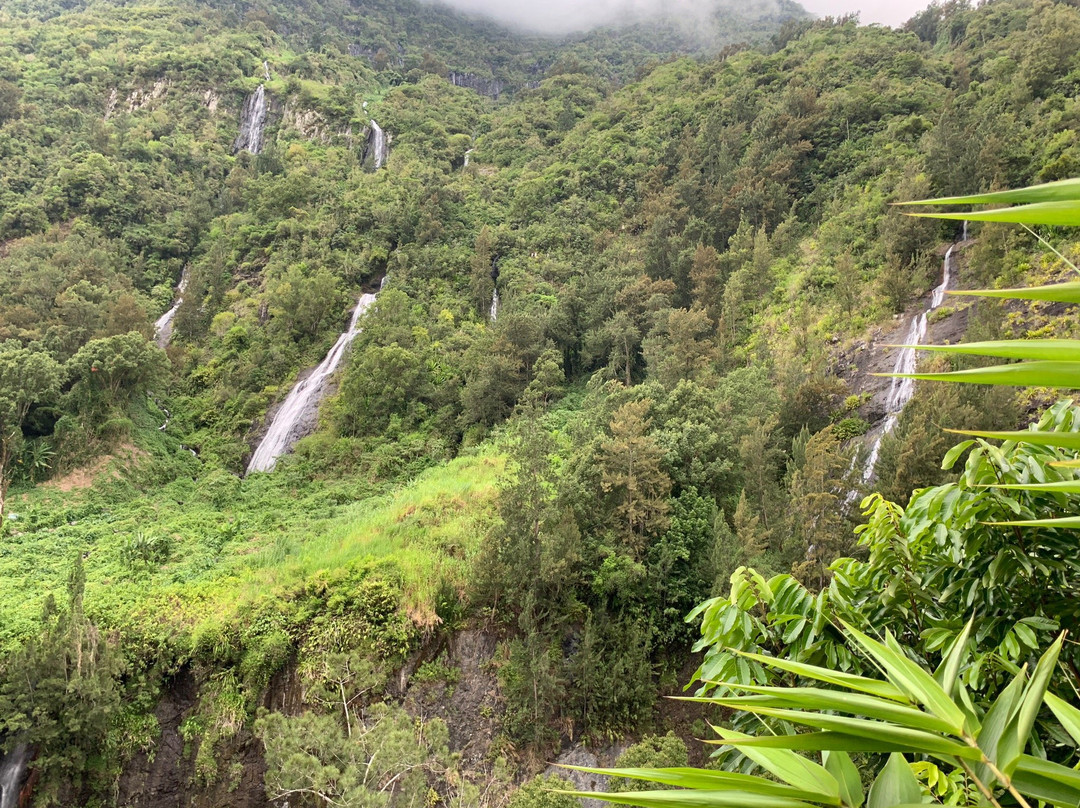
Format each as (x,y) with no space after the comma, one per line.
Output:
(863,684)
(1055,292)
(793,769)
(1023,374)
(1054,772)
(1058,214)
(1065,350)
(706,780)
(954,454)
(839,765)
(1068,715)
(894,785)
(908,676)
(1060,440)
(1061,190)
(691,799)
(1043,788)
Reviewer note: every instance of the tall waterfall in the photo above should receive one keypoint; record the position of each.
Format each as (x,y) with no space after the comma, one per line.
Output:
(495,305)
(297,413)
(377,145)
(252,123)
(467,154)
(12,773)
(901,390)
(163,327)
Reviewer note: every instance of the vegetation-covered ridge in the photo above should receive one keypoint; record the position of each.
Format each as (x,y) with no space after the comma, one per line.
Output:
(694,258)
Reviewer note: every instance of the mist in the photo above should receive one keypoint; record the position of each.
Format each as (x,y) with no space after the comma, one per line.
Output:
(566,16)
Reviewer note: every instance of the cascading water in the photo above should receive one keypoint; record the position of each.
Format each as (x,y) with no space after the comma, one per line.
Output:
(469,152)
(12,773)
(376,146)
(252,123)
(495,305)
(297,413)
(901,390)
(163,327)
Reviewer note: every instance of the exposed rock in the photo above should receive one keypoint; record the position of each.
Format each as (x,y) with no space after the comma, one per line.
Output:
(490,87)
(143,99)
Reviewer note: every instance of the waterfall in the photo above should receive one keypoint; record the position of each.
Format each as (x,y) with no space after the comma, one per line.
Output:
(376,145)
(12,773)
(470,151)
(495,305)
(252,123)
(297,413)
(964,237)
(163,327)
(901,390)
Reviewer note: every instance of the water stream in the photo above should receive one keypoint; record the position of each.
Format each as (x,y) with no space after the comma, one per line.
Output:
(495,305)
(163,327)
(377,145)
(298,411)
(252,123)
(901,390)
(12,773)
(469,152)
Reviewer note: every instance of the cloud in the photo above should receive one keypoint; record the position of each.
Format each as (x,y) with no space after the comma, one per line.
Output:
(565,16)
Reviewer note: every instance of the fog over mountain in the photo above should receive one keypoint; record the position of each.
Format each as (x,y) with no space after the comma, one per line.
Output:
(562,16)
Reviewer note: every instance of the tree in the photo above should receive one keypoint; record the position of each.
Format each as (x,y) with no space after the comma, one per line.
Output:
(27,378)
(632,470)
(111,372)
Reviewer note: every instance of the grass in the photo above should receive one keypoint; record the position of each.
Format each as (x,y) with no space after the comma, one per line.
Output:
(235,543)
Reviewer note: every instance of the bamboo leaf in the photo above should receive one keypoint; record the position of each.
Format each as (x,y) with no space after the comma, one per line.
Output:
(1063,213)
(706,780)
(1066,350)
(1068,715)
(1061,487)
(691,799)
(793,769)
(948,672)
(1023,374)
(1054,292)
(1059,440)
(1032,701)
(1064,523)
(894,785)
(863,684)
(1047,192)
(810,698)
(816,742)
(908,676)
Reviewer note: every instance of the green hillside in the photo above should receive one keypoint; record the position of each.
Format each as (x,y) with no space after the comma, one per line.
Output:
(698,271)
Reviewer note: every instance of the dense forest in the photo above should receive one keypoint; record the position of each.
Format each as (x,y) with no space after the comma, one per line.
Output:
(600,320)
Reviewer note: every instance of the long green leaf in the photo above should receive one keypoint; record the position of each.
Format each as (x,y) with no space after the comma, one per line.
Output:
(1061,487)
(811,698)
(816,742)
(1051,771)
(1059,440)
(1061,190)
(996,722)
(1059,214)
(917,740)
(1017,737)
(894,785)
(948,672)
(908,676)
(1064,523)
(793,769)
(1066,350)
(706,780)
(1054,292)
(1043,788)
(863,684)
(1024,374)
(691,799)
(1068,715)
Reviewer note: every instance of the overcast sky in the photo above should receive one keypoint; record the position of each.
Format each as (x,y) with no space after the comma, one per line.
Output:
(565,15)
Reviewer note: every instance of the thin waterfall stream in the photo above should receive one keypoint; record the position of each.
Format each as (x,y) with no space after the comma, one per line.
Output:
(163,328)
(299,409)
(252,123)
(901,390)
(12,773)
